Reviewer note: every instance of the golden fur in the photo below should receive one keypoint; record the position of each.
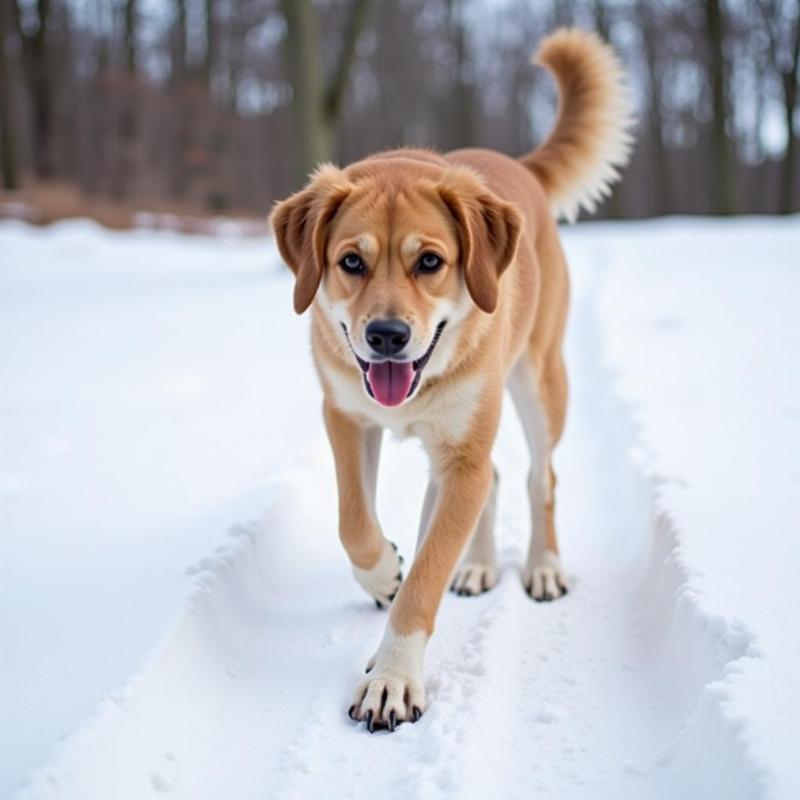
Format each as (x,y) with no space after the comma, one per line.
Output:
(502,294)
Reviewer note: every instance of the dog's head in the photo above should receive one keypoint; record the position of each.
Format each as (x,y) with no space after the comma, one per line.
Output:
(397,255)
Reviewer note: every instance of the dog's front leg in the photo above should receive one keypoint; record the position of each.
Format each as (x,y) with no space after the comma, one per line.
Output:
(394,690)
(356,450)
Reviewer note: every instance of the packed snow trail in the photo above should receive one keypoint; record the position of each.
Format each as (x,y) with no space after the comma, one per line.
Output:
(247,697)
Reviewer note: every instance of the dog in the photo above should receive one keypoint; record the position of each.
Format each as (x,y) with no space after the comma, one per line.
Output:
(435,281)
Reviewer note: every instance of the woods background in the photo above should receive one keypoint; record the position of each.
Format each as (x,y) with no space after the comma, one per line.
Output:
(222,106)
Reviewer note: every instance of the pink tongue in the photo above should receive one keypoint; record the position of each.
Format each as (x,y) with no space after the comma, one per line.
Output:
(390,381)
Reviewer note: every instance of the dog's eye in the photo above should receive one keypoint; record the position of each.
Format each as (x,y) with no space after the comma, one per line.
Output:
(352,264)
(429,262)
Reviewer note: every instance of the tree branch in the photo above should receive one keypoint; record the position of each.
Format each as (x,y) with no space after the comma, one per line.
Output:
(334,94)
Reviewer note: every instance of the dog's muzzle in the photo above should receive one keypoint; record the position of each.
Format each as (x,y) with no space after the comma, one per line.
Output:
(392,382)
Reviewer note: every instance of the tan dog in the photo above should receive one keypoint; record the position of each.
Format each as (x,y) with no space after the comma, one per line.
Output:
(435,281)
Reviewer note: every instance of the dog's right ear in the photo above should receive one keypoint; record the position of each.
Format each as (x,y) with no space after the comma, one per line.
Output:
(300,224)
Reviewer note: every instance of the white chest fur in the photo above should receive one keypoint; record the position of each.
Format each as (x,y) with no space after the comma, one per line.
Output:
(442,414)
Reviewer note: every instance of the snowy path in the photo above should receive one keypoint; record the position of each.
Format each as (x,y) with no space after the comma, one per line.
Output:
(608,693)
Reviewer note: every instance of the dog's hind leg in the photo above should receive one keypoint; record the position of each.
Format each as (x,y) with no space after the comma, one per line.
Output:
(540,404)
(356,450)
(477,571)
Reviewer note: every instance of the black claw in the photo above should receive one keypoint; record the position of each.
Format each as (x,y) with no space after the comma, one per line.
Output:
(351,712)
(392,723)
(416,713)
(392,596)
(394,546)
(399,576)
(369,669)
(548,597)
(401,559)
(379,604)
(370,726)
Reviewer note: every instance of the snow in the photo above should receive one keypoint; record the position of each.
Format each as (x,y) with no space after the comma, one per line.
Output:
(176,608)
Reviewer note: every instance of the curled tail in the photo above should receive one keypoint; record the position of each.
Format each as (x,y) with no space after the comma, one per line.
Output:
(591,140)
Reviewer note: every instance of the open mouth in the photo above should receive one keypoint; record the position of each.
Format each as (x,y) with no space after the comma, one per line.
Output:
(392,382)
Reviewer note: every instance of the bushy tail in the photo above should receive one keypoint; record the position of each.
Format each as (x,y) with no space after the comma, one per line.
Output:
(591,140)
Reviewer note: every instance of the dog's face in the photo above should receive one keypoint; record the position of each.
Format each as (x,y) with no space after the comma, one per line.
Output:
(396,262)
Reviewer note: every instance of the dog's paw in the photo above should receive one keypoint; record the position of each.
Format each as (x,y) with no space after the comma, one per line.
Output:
(384,579)
(472,579)
(393,691)
(544,579)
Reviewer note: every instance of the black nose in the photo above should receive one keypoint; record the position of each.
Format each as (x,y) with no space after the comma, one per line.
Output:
(388,336)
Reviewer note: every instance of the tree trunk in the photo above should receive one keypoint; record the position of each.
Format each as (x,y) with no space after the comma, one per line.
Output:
(42,98)
(131,19)
(34,52)
(316,109)
(179,57)
(8,143)
(613,204)
(660,167)
(337,88)
(459,122)
(790,103)
(722,176)
(303,62)
(211,40)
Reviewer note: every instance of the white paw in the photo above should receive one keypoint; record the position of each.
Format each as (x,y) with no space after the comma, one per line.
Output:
(384,579)
(472,579)
(394,691)
(545,578)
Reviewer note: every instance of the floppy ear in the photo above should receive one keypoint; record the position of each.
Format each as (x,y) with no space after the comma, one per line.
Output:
(489,230)
(300,224)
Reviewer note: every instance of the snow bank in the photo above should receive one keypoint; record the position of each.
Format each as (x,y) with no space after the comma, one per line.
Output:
(701,330)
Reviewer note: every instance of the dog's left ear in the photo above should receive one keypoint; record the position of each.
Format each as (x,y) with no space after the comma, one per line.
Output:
(300,224)
(489,230)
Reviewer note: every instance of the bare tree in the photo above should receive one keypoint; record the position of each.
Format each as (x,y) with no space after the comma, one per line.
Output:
(782,24)
(130,34)
(722,174)
(210,105)
(317,106)
(460,121)
(179,49)
(655,105)
(211,40)
(602,22)
(8,143)
(790,105)
(34,51)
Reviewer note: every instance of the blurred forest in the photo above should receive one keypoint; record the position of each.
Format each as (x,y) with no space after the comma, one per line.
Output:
(223,106)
